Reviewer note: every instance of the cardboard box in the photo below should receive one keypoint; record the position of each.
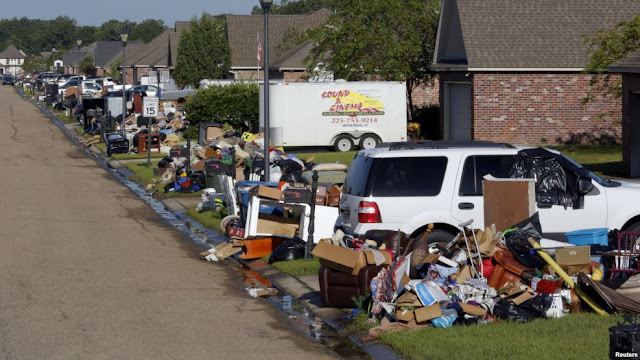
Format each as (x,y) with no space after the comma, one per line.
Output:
(404,315)
(431,259)
(573,255)
(507,201)
(407,299)
(265,192)
(463,274)
(333,196)
(430,293)
(371,258)
(276,225)
(472,309)
(427,313)
(339,258)
(521,298)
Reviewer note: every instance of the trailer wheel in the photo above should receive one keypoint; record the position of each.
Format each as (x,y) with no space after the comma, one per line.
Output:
(368,141)
(343,143)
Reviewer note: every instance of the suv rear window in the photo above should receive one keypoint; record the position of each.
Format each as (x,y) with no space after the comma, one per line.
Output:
(476,167)
(410,176)
(356,181)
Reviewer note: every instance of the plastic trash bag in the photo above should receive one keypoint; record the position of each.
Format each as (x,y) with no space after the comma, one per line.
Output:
(509,310)
(291,249)
(518,242)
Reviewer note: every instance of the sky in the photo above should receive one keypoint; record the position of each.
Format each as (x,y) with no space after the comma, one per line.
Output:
(96,12)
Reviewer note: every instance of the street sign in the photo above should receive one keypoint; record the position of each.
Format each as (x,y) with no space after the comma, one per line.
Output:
(150,106)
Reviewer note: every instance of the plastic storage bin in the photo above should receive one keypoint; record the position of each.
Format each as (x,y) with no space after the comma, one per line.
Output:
(588,237)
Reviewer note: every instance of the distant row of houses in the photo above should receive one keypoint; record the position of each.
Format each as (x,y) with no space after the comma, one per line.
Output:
(286,63)
(11,61)
(507,70)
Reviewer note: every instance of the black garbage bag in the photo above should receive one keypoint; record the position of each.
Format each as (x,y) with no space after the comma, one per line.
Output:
(538,304)
(165,162)
(559,181)
(518,242)
(294,177)
(292,249)
(505,309)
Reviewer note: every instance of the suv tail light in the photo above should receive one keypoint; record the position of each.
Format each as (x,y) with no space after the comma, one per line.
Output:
(368,212)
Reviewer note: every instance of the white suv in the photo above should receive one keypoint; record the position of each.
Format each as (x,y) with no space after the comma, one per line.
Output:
(405,186)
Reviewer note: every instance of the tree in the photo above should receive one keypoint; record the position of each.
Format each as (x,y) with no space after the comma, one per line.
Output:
(605,48)
(114,71)
(147,30)
(203,52)
(87,65)
(301,7)
(236,104)
(389,40)
(111,29)
(34,64)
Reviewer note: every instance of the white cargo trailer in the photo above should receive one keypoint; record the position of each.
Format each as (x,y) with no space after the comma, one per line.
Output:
(338,114)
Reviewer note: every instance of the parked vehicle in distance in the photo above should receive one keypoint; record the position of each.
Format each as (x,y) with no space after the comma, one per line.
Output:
(342,114)
(8,79)
(406,186)
(62,78)
(91,88)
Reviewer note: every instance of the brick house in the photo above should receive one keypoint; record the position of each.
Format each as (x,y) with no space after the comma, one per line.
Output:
(286,57)
(629,68)
(512,70)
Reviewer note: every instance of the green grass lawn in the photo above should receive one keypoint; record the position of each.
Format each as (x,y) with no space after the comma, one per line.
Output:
(297,267)
(575,336)
(209,218)
(601,159)
(64,118)
(102,146)
(328,157)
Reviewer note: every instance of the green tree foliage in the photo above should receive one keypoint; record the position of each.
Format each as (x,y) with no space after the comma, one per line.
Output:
(203,52)
(34,63)
(115,71)
(301,7)
(236,104)
(147,30)
(34,36)
(87,65)
(389,40)
(606,47)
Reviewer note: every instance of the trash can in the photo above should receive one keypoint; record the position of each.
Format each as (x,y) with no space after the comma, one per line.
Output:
(214,167)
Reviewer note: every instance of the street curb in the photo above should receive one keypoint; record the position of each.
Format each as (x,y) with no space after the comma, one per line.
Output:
(286,283)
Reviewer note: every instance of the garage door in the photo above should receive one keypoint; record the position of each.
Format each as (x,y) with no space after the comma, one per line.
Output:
(459,112)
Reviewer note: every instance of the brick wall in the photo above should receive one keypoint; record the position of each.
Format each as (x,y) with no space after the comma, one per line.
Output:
(427,95)
(530,108)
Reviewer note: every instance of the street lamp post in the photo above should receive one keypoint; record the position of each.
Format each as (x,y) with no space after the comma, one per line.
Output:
(266,5)
(78,82)
(124,36)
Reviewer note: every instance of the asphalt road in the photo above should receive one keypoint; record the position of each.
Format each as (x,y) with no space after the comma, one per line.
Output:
(89,271)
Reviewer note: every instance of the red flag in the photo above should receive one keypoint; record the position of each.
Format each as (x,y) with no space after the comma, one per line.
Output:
(259,52)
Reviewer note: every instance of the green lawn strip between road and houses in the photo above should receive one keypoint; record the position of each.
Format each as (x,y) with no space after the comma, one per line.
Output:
(144,176)
(208,218)
(575,336)
(297,267)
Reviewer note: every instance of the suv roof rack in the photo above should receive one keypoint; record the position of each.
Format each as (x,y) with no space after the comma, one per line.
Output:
(444,144)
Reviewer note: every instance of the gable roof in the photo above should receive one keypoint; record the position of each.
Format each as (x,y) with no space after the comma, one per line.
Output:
(629,64)
(523,34)
(11,52)
(161,51)
(106,50)
(242,31)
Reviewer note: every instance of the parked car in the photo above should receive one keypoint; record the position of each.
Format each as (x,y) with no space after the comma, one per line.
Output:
(62,78)
(8,79)
(91,88)
(406,186)
(73,81)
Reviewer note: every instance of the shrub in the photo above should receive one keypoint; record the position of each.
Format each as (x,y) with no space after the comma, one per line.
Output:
(236,105)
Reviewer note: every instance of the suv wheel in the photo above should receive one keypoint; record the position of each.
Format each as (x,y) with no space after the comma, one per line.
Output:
(343,143)
(368,141)
(635,227)
(437,239)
